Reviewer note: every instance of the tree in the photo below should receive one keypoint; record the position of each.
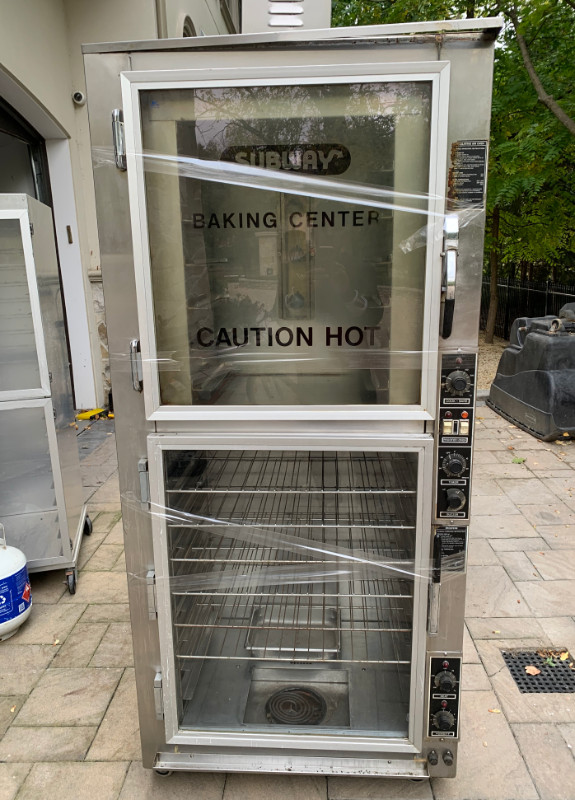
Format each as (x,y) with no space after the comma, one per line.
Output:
(531,187)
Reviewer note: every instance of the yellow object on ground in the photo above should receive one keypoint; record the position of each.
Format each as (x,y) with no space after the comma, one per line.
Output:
(94,412)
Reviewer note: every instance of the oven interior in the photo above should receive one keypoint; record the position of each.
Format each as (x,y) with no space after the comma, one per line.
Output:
(291,588)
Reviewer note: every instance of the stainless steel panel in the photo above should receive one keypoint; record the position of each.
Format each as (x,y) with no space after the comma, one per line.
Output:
(482,28)
(102,76)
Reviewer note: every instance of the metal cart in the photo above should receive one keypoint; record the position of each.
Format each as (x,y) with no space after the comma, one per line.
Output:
(41,495)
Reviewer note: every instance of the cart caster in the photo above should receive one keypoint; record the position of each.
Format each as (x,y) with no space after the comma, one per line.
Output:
(164,773)
(71,581)
(88,527)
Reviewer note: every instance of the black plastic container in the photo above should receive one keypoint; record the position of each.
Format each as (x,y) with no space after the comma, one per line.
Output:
(535,382)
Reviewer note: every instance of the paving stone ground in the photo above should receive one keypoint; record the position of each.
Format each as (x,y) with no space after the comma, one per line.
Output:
(68,718)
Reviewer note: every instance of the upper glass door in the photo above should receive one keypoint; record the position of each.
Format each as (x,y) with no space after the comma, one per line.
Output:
(284,230)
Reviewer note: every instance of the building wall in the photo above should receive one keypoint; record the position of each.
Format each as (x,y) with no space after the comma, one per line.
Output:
(41,66)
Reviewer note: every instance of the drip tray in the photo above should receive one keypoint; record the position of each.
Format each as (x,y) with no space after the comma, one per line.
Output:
(289,697)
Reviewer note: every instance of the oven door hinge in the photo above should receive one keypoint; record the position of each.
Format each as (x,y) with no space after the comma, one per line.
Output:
(151,590)
(158,696)
(136,366)
(144,483)
(119,139)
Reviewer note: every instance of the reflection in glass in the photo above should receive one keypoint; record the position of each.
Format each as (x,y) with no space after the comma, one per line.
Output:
(18,357)
(268,298)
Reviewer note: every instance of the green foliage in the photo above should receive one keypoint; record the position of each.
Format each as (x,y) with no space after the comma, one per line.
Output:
(532,154)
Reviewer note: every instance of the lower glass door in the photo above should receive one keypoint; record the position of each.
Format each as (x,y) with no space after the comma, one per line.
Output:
(291,589)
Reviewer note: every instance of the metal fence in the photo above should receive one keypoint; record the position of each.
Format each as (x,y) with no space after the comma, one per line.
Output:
(523,299)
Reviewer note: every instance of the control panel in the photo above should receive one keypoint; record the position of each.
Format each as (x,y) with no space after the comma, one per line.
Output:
(444,692)
(455,435)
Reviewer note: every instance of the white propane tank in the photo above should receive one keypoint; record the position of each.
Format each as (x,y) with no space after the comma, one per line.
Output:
(15,594)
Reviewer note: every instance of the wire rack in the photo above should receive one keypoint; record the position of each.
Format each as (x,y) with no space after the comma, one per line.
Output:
(298,556)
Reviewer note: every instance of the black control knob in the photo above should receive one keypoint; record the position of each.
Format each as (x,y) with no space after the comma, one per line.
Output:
(444,720)
(455,499)
(445,681)
(458,382)
(454,464)
(448,758)
(432,758)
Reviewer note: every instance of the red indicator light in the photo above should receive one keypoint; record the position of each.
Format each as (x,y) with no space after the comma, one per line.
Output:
(459,360)
(464,414)
(448,414)
(445,664)
(444,704)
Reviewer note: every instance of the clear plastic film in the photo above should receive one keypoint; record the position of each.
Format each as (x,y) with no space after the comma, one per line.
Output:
(292,569)
(272,287)
(291,240)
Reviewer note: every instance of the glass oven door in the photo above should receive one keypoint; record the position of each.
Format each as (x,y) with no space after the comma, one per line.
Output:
(287,239)
(291,590)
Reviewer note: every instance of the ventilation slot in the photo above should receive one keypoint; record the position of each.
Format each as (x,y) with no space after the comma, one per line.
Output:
(286,14)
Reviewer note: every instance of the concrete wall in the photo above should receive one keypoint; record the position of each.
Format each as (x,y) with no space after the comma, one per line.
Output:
(40,66)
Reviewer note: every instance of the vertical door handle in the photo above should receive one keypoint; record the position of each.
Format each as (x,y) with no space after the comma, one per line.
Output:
(136,365)
(450,252)
(435,588)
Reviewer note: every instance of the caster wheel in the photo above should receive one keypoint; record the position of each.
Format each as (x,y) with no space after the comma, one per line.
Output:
(88,527)
(163,773)
(71,582)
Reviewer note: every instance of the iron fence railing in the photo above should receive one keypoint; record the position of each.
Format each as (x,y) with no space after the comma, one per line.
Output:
(518,298)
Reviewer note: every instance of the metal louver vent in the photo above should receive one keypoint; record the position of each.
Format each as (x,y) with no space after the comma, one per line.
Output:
(286,14)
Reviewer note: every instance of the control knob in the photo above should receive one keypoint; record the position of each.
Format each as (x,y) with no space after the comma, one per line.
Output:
(454,464)
(445,682)
(458,382)
(444,720)
(455,499)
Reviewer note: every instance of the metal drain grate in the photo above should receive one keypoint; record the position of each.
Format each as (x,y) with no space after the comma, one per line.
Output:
(557,678)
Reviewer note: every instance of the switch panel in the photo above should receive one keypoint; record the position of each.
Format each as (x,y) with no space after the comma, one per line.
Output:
(444,693)
(455,436)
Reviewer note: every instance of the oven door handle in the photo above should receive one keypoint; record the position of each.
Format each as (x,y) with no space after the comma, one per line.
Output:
(450,252)
(435,588)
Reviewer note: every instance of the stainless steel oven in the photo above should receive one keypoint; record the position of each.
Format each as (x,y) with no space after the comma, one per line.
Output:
(292,236)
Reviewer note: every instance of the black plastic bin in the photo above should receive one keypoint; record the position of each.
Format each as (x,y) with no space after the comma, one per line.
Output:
(535,382)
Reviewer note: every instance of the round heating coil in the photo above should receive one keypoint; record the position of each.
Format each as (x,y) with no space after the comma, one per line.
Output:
(295,705)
